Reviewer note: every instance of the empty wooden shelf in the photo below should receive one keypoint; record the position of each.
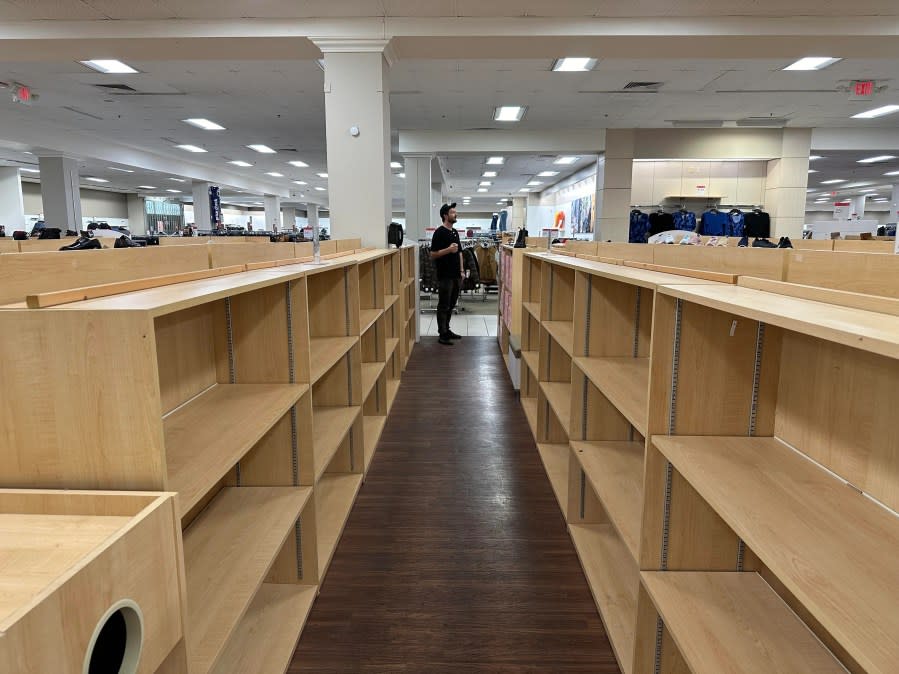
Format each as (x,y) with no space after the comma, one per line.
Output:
(372,428)
(392,343)
(533,308)
(325,352)
(563,333)
(625,382)
(530,411)
(330,427)
(393,387)
(558,394)
(555,462)
(68,559)
(613,579)
(615,471)
(334,497)
(370,374)
(532,358)
(390,300)
(267,636)
(228,551)
(368,317)
(207,436)
(735,622)
(832,548)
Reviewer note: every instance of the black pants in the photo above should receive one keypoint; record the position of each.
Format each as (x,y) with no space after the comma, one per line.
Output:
(448,295)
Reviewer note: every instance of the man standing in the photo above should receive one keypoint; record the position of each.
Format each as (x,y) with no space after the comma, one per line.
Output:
(446,251)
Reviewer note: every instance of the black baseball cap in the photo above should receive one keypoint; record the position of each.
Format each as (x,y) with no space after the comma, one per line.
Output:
(446,209)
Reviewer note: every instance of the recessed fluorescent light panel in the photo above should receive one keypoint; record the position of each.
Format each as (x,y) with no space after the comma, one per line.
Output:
(534,183)
(300,182)
(489,174)
(146,187)
(178,180)
(97,180)
(485,183)
(191,148)
(812,171)
(395,165)
(240,162)
(113,168)
(831,182)
(892,173)
(878,158)
(109,67)
(547,174)
(262,149)
(322,175)
(815,156)
(877,112)
(30,170)
(319,189)
(482,189)
(205,124)
(496,161)
(813,63)
(174,191)
(298,163)
(567,161)
(525,189)
(400,175)
(275,174)
(573,64)
(509,113)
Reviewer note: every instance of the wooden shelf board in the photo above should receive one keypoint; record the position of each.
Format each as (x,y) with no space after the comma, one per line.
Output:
(374,426)
(390,300)
(625,382)
(393,387)
(563,333)
(555,462)
(831,547)
(613,579)
(228,550)
(325,352)
(533,308)
(532,358)
(367,318)
(735,622)
(615,471)
(530,411)
(267,636)
(392,343)
(206,437)
(411,314)
(558,393)
(330,426)
(335,495)
(370,374)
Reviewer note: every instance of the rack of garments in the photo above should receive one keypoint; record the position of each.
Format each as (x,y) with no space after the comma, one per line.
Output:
(713,222)
(684,220)
(757,223)
(660,221)
(639,226)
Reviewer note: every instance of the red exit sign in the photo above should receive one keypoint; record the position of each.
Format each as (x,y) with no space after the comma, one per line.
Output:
(862,90)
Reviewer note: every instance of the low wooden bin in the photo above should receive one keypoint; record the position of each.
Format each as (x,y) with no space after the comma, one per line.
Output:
(90,581)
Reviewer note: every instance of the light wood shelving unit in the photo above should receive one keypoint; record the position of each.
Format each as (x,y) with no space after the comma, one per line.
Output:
(725,461)
(258,397)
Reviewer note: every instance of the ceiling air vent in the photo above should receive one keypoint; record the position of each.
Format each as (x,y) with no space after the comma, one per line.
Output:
(642,86)
(116,87)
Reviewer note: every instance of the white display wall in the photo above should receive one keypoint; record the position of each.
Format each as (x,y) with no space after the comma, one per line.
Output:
(571,205)
(732,183)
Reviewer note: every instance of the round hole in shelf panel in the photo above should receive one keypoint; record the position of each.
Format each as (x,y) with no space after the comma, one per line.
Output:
(116,643)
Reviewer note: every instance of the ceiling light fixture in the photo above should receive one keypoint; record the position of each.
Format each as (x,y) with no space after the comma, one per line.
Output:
(27,170)
(892,173)
(573,64)
(113,168)
(877,112)
(400,175)
(300,182)
(525,189)
(878,158)
(812,171)
(298,163)
(814,157)
(109,67)
(509,113)
(191,148)
(178,180)
(262,149)
(275,174)
(395,165)
(547,174)
(240,162)
(485,183)
(174,191)
(205,124)
(496,161)
(146,187)
(97,180)
(320,189)
(482,190)
(489,174)
(868,190)
(813,63)
(567,161)
(832,182)
(534,183)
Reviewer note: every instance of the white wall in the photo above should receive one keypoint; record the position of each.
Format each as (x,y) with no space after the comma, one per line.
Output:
(882,217)
(560,197)
(95,204)
(735,182)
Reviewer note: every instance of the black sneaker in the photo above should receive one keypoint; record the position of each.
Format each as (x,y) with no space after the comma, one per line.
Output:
(446,341)
(744,242)
(452,335)
(763,243)
(785,242)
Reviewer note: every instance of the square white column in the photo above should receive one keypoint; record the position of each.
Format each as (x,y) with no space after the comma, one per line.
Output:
(12,209)
(420,213)
(272,213)
(61,192)
(202,212)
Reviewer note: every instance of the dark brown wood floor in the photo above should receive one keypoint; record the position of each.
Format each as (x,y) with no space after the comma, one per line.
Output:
(455,557)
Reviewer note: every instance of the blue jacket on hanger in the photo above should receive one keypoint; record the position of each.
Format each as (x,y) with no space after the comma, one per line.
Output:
(735,222)
(639,227)
(685,220)
(714,223)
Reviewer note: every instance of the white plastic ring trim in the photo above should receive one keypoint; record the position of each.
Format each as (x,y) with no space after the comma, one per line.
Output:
(134,625)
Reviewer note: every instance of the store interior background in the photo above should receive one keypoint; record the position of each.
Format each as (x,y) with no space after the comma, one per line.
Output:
(703,114)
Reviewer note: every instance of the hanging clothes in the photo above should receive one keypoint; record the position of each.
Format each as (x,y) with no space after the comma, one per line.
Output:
(486,257)
(639,227)
(757,224)
(660,222)
(472,279)
(735,223)
(684,220)
(713,223)
(427,270)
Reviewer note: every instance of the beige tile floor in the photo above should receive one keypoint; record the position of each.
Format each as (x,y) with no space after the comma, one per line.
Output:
(467,326)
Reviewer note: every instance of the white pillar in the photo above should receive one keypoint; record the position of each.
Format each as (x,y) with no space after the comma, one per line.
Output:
(357,115)
(894,212)
(137,214)
(614,199)
(12,208)
(272,213)
(313,223)
(786,184)
(518,215)
(858,206)
(420,212)
(61,192)
(288,218)
(202,214)
(599,193)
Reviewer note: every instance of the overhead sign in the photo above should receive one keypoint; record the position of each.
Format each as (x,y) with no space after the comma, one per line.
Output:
(861,90)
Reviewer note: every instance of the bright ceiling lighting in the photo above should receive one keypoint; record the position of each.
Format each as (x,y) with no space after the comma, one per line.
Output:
(319,189)
(174,191)
(275,174)
(813,63)
(109,66)
(240,162)
(877,112)
(812,171)
(815,156)
(27,152)
(191,148)
(485,183)
(496,161)
(882,199)
(892,173)
(322,175)
(97,180)
(525,189)
(298,163)
(400,175)
(205,124)
(262,149)
(868,190)
(573,64)
(547,174)
(534,183)
(500,203)
(178,180)
(30,170)
(146,187)
(567,161)
(489,174)
(509,113)
(878,158)
(395,165)
(113,168)
(300,182)
(482,189)
(832,182)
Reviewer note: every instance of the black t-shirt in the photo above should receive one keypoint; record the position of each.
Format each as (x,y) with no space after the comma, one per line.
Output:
(449,265)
